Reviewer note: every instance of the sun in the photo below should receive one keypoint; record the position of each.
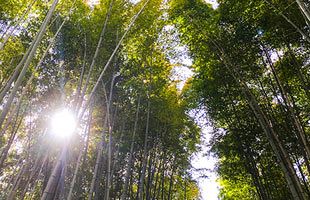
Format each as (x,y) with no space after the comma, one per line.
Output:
(63,123)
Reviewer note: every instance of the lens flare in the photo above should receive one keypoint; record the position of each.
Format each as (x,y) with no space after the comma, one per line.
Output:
(63,124)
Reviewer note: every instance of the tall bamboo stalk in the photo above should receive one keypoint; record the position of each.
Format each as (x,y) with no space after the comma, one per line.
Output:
(145,154)
(129,164)
(25,62)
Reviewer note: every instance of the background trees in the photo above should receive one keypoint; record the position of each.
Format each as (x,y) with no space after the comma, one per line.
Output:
(240,56)
(133,138)
(109,63)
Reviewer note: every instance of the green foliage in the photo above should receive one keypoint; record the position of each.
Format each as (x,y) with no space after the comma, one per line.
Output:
(231,45)
(237,190)
(143,72)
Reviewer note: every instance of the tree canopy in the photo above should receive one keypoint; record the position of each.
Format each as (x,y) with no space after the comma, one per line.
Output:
(90,108)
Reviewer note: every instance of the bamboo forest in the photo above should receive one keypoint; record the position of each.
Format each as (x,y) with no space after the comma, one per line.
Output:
(155,99)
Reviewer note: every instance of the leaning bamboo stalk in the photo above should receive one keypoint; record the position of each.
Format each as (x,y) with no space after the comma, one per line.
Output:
(150,170)
(7,86)
(5,79)
(77,166)
(78,91)
(100,148)
(158,166)
(171,182)
(17,167)
(12,192)
(304,9)
(291,110)
(97,48)
(16,125)
(120,140)
(307,38)
(267,126)
(24,90)
(28,60)
(49,191)
(111,58)
(14,76)
(36,168)
(39,172)
(19,21)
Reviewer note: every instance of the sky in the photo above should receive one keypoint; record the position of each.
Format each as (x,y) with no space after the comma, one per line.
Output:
(213,3)
(209,188)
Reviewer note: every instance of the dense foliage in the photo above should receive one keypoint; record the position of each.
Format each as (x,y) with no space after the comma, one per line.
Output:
(251,60)
(111,64)
(105,63)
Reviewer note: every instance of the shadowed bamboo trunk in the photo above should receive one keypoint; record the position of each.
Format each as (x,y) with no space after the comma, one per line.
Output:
(130,159)
(267,126)
(15,127)
(170,194)
(54,179)
(36,170)
(13,191)
(154,193)
(110,130)
(145,155)
(291,110)
(149,183)
(281,153)
(307,38)
(78,163)
(78,97)
(98,161)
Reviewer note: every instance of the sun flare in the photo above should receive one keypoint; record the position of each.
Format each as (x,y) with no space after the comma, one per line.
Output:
(63,123)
